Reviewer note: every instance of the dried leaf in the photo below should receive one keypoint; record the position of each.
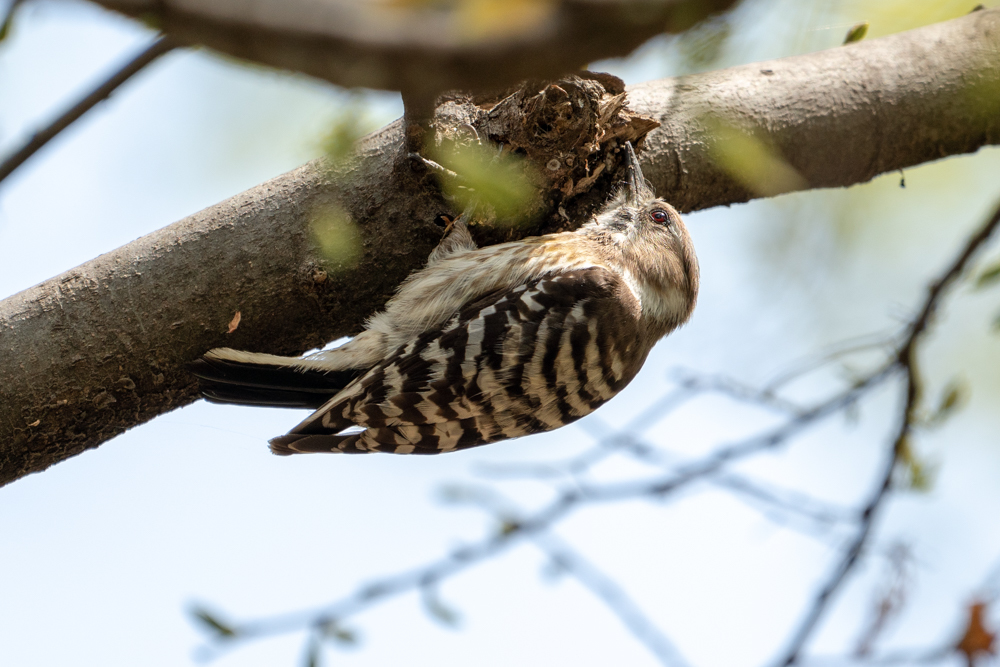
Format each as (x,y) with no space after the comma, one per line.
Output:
(977,639)
(856,33)
(235,322)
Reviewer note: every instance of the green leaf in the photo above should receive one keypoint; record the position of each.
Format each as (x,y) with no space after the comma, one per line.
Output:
(212,622)
(919,474)
(953,398)
(988,277)
(856,33)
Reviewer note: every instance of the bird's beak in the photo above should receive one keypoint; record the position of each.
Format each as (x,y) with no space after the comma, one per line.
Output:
(635,185)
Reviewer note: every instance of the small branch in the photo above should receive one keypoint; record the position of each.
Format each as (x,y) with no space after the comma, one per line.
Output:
(906,361)
(100,93)
(741,392)
(864,343)
(517,526)
(613,596)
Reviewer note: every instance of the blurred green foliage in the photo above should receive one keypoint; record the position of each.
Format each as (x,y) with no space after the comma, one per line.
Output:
(750,160)
(481,20)
(856,33)
(953,398)
(501,181)
(338,238)
(917,473)
(989,277)
(891,16)
(351,121)
(701,46)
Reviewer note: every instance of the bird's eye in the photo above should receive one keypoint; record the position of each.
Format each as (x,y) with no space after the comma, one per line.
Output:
(659,215)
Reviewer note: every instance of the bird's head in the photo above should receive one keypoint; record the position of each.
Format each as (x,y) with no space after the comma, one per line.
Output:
(653,245)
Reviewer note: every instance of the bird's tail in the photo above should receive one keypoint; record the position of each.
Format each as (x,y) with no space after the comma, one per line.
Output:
(313,443)
(227,376)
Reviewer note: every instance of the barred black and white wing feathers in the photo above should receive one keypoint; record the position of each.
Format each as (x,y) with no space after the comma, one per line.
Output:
(487,344)
(516,361)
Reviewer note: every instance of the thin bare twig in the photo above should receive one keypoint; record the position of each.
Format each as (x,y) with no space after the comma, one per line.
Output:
(515,527)
(514,524)
(613,596)
(906,361)
(889,601)
(98,94)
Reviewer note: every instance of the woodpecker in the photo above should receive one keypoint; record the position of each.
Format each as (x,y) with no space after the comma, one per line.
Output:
(486,344)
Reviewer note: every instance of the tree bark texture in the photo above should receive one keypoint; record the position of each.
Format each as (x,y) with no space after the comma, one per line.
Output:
(101,348)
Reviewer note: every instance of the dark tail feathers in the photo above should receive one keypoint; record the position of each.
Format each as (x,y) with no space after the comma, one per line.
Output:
(225,381)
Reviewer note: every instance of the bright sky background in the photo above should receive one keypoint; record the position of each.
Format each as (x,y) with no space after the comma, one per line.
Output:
(102,554)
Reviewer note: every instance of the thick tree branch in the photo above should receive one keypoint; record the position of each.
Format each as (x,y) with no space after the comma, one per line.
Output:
(838,117)
(101,348)
(421,49)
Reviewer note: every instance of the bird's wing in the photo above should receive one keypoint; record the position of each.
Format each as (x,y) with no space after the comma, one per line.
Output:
(524,359)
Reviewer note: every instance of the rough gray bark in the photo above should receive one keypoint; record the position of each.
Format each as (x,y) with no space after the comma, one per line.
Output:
(418,50)
(101,348)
